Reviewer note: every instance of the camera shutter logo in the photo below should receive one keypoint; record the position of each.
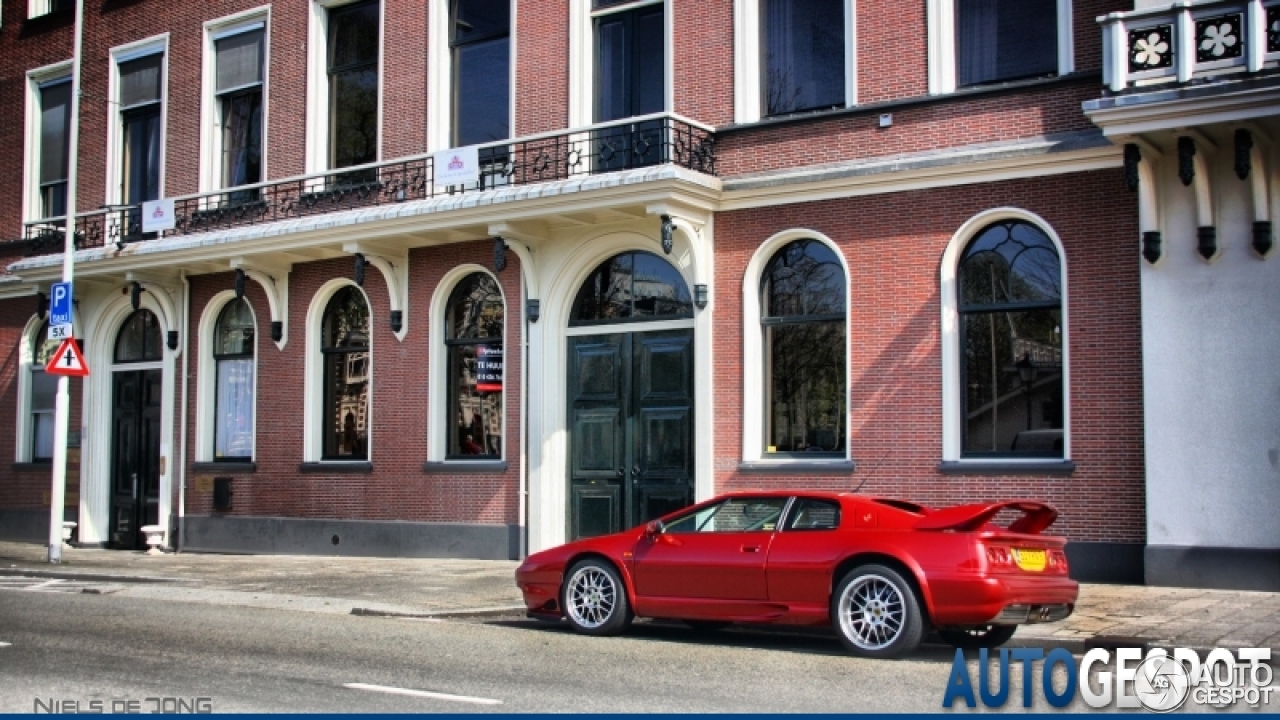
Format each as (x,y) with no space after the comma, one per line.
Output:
(1162,684)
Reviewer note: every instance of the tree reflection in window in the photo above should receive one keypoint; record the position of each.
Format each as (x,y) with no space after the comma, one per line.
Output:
(632,286)
(803,316)
(1010,285)
(345,338)
(473,336)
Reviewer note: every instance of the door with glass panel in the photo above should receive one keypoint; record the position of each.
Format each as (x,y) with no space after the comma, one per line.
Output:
(136,401)
(630,397)
(630,81)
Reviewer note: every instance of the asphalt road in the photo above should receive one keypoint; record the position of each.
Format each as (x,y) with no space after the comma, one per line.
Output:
(68,651)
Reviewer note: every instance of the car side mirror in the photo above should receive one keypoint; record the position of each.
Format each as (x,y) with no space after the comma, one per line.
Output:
(653,529)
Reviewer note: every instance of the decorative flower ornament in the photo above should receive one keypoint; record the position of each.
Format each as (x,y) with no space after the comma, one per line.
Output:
(1149,49)
(1217,38)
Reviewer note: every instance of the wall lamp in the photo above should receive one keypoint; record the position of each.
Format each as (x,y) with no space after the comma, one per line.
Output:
(533,309)
(499,254)
(135,295)
(668,228)
(239,284)
(359,277)
(700,295)
(397,320)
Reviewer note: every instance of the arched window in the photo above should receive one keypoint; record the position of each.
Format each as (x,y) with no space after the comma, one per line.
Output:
(139,339)
(44,388)
(473,335)
(802,314)
(345,347)
(233,358)
(632,286)
(1011,340)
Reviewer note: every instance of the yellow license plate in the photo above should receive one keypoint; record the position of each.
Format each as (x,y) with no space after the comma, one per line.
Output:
(1033,560)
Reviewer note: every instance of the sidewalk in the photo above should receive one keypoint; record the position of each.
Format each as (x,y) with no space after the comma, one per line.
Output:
(1106,616)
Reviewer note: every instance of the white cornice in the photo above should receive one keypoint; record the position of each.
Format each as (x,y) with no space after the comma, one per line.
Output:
(1183,107)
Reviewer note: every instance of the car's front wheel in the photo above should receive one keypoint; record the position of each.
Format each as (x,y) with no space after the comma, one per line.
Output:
(978,636)
(594,599)
(876,614)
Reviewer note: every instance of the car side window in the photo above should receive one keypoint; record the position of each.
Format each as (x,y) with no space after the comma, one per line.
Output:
(810,514)
(732,515)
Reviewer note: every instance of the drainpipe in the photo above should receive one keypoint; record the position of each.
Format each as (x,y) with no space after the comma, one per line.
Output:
(182,440)
(523,513)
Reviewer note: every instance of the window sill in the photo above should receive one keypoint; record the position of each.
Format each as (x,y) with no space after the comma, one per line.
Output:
(454,467)
(225,466)
(790,466)
(336,467)
(1007,467)
(37,466)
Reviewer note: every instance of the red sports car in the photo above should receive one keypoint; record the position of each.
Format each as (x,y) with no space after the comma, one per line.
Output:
(879,571)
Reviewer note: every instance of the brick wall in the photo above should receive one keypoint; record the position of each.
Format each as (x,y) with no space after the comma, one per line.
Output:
(893,245)
(397,489)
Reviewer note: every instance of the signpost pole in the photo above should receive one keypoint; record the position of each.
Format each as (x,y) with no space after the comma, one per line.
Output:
(62,401)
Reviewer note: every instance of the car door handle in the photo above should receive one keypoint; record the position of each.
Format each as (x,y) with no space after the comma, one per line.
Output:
(750,548)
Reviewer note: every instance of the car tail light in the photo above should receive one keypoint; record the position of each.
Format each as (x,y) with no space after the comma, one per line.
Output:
(999,558)
(1057,562)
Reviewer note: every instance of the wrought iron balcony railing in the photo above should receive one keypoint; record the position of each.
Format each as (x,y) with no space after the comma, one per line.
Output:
(1185,41)
(606,147)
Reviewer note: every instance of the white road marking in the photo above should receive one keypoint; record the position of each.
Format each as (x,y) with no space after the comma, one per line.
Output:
(422,694)
(5,644)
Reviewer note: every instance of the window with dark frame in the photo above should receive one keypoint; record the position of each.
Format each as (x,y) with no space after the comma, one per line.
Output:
(1001,40)
(239,73)
(803,48)
(632,287)
(140,102)
(346,356)
(139,339)
(481,47)
(1011,340)
(44,388)
(474,321)
(233,359)
(55,119)
(802,299)
(630,62)
(353,85)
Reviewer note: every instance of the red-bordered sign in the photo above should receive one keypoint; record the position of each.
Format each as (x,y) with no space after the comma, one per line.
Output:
(68,360)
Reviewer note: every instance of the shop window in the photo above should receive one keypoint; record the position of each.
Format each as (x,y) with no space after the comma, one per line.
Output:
(346,359)
(802,317)
(474,321)
(233,357)
(1009,286)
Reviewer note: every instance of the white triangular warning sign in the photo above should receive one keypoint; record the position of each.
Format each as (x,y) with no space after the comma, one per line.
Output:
(67,360)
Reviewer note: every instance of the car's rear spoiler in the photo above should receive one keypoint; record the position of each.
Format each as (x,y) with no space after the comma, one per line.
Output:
(1036,516)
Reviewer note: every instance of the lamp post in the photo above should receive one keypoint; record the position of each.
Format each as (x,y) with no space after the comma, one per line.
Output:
(1027,372)
(62,400)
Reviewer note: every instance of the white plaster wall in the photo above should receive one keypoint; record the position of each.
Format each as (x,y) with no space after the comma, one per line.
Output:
(1211,343)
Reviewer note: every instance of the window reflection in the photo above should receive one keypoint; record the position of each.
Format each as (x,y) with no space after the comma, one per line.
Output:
(44,389)
(1011,336)
(632,286)
(803,299)
(346,376)
(233,399)
(139,339)
(473,335)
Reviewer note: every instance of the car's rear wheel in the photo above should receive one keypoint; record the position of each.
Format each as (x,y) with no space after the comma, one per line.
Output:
(876,614)
(977,636)
(594,599)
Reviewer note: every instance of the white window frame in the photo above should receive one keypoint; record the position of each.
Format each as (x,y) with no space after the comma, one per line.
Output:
(747,52)
(952,428)
(158,44)
(38,8)
(440,77)
(942,44)
(754,383)
(438,372)
(313,394)
(317,153)
(32,150)
(210,109)
(207,377)
(582,54)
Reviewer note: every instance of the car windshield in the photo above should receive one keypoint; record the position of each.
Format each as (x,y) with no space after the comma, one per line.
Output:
(732,515)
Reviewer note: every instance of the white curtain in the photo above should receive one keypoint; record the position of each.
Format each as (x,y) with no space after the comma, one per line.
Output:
(233,436)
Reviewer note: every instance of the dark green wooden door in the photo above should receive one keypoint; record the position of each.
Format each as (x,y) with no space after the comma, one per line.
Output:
(135,456)
(631,448)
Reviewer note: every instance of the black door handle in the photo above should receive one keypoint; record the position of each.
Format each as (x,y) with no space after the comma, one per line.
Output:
(635,471)
(621,472)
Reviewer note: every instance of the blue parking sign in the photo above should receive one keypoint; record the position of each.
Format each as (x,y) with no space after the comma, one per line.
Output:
(60,304)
